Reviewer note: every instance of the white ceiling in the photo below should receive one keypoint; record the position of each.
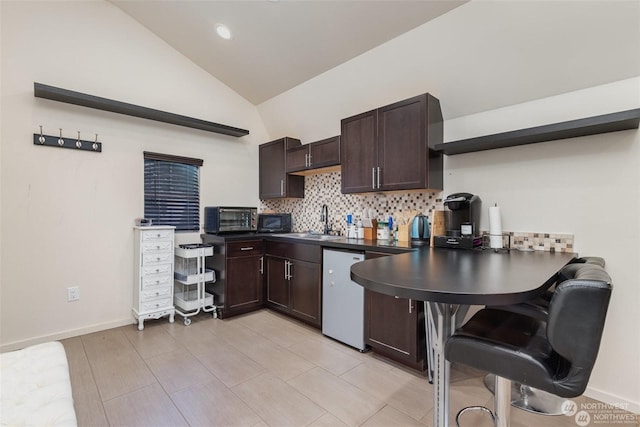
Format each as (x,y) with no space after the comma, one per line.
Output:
(277,45)
(491,53)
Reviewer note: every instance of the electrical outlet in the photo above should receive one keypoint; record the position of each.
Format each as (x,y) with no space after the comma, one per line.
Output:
(73,293)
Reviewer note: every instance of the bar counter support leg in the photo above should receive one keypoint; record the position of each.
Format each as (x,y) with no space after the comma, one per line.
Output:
(503,402)
(443,321)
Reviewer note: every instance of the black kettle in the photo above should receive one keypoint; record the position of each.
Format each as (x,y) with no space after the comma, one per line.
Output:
(420,230)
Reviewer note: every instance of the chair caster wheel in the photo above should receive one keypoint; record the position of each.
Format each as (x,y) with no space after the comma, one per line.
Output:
(187,321)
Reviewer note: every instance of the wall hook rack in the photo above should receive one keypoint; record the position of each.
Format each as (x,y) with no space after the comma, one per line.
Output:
(60,141)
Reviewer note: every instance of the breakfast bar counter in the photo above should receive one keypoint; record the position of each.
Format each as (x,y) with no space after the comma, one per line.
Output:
(446,279)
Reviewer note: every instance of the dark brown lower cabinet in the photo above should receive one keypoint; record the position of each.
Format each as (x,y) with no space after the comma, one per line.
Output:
(394,327)
(239,267)
(305,291)
(246,288)
(294,273)
(277,284)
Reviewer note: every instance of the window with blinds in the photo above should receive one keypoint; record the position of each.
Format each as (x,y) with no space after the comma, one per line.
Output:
(172,191)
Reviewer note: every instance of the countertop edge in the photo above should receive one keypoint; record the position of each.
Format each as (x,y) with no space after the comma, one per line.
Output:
(342,243)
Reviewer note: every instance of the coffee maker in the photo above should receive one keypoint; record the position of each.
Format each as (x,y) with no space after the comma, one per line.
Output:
(462,222)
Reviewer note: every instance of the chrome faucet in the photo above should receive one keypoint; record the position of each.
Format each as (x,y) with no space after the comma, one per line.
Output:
(324,217)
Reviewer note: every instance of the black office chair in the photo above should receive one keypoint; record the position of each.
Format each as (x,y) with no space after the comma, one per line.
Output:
(525,397)
(556,355)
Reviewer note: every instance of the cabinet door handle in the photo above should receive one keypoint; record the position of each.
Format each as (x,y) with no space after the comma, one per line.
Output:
(373,178)
(247,248)
(378,177)
(287,270)
(306,160)
(261,265)
(282,187)
(309,159)
(410,306)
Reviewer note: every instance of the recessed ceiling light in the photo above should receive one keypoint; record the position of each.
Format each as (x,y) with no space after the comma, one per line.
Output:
(223,31)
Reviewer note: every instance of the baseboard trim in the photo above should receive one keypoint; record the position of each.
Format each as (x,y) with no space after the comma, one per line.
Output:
(17,345)
(613,400)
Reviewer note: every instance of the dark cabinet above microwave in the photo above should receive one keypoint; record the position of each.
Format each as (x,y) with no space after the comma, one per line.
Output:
(316,157)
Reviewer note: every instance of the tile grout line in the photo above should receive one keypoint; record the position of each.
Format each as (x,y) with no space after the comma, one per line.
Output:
(93,379)
(230,389)
(376,413)
(268,372)
(157,380)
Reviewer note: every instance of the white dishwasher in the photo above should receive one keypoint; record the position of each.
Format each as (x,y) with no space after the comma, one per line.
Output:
(342,298)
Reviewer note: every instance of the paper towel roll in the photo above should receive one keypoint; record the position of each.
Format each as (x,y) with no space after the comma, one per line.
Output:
(495,228)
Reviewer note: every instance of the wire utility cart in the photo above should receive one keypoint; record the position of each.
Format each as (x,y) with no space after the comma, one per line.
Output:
(190,277)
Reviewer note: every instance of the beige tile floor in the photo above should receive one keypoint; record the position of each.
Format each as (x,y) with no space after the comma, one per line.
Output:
(261,369)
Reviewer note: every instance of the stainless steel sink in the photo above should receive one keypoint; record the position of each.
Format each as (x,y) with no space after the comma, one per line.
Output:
(311,236)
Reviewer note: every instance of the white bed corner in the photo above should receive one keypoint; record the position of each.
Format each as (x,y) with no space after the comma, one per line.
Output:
(35,388)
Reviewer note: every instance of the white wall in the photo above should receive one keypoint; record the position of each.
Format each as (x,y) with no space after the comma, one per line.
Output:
(589,186)
(67,216)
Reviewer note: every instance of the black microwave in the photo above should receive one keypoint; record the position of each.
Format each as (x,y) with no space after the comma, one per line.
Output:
(226,219)
(274,223)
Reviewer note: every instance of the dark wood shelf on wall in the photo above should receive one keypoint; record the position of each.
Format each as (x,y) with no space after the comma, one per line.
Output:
(623,120)
(77,98)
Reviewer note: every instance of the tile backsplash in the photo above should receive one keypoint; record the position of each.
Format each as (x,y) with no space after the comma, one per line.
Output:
(550,242)
(321,189)
(324,189)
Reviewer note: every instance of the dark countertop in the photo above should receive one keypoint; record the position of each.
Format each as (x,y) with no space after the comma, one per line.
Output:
(458,276)
(340,243)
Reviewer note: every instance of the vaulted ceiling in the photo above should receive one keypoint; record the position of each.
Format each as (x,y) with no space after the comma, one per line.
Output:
(277,45)
(499,53)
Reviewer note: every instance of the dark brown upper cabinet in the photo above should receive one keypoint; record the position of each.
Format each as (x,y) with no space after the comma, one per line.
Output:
(316,157)
(391,148)
(275,183)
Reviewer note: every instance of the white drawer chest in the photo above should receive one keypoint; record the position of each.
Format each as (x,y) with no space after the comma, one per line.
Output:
(153,273)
